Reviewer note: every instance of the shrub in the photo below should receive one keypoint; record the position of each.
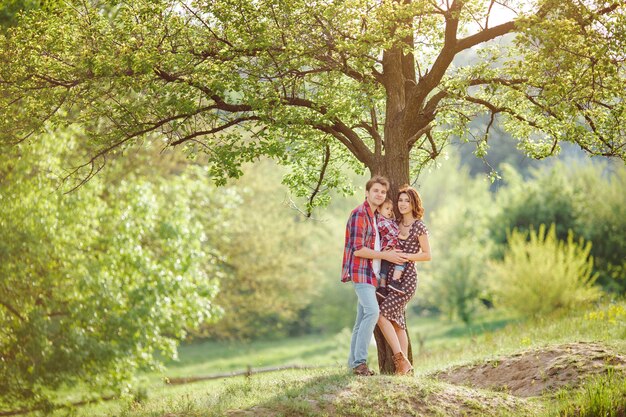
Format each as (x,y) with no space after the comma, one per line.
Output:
(584,197)
(100,282)
(540,274)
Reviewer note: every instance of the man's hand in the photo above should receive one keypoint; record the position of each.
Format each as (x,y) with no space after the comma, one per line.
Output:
(395,257)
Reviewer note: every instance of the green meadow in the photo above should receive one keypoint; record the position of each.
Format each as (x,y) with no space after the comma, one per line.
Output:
(301,391)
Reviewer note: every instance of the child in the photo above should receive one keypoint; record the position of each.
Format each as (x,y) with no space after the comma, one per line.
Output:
(389,235)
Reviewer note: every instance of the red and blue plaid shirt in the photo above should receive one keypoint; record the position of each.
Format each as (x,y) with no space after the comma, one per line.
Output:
(389,231)
(360,232)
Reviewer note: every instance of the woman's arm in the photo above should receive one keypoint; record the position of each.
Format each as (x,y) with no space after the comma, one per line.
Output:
(424,254)
(391,256)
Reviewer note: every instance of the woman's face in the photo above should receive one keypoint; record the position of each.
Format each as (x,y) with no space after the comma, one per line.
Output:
(404,203)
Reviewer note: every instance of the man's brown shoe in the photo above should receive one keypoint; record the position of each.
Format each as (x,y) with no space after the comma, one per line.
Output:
(402,364)
(362,370)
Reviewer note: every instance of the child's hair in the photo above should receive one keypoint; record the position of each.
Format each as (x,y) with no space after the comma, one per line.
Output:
(389,201)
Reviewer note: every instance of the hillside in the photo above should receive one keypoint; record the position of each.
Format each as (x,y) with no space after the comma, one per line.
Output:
(521,384)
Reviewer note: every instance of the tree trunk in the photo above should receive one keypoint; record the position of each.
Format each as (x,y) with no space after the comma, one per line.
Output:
(393,162)
(385,354)
(394,165)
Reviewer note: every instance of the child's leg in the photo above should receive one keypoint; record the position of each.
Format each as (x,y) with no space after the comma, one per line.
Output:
(394,283)
(397,272)
(385,268)
(381,291)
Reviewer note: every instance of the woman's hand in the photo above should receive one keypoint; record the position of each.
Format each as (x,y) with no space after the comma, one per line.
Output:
(395,257)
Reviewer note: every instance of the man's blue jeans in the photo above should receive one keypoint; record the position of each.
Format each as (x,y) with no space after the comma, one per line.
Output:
(367,311)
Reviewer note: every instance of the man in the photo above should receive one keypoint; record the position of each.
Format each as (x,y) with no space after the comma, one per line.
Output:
(361,266)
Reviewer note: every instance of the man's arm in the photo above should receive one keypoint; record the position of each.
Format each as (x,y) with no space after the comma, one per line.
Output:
(391,255)
(356,230)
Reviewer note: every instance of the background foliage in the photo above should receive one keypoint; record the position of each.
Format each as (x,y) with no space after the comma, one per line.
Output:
(541,274)
(459,211)
(270,254)
(97,282)
(587,199)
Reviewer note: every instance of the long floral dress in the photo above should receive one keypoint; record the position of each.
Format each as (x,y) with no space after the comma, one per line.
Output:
(394,305)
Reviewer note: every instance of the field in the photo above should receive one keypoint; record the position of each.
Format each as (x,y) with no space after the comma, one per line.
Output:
(328,389)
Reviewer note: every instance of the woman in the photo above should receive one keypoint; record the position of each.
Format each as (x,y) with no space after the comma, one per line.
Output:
(417,249)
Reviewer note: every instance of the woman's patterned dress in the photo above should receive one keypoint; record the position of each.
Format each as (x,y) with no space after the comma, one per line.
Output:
(393,306)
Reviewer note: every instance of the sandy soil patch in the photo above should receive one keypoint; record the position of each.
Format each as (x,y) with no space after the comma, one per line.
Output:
(532,373)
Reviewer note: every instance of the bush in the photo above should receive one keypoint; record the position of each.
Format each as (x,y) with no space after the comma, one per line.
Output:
(600,218)
(100,282)
(544,274)
(586,198)
(270,266)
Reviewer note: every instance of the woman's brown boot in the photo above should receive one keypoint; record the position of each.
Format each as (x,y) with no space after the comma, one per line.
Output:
(402,364)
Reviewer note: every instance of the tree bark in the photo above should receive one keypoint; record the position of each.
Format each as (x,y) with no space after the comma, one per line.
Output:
(385,354)
(394,165)
(401,122)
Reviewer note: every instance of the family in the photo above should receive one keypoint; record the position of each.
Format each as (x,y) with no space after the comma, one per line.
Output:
(378,259)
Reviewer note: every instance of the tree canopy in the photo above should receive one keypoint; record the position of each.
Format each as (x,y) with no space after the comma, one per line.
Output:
(318,84)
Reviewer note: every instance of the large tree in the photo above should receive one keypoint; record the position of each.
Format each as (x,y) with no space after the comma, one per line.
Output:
(318,84)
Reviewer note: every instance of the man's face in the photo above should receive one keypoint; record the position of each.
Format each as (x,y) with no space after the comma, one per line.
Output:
(376,195)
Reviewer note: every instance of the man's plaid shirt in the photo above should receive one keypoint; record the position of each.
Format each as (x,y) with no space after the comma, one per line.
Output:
(360,232)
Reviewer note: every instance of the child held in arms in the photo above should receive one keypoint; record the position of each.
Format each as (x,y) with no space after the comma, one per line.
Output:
(389,235)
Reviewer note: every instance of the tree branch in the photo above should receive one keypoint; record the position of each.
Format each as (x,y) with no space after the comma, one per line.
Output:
(220,103)
(341,138)
(12,310)
(484,36)
(593,127)
(214,130)
(427,83)
(319,181)
(506,110)
(431,106)
(357,146)
(425,130)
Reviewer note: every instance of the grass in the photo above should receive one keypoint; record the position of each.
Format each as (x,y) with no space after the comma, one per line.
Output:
(333,391)
(603,395)
(595,324)
(211,357)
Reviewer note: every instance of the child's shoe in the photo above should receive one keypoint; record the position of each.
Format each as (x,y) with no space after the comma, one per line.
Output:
(395,286)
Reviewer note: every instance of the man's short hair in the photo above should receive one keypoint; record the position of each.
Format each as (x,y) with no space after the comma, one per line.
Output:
(377,179)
